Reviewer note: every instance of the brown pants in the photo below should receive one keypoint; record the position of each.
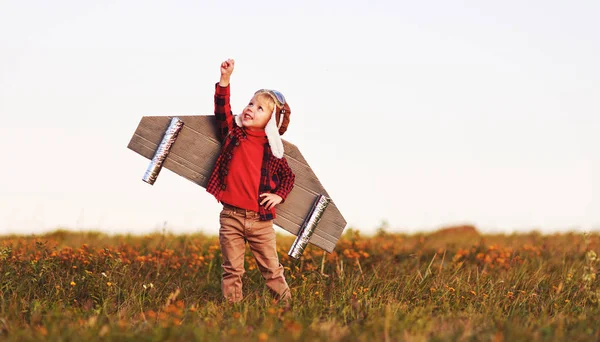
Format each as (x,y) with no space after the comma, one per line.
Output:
(241,225)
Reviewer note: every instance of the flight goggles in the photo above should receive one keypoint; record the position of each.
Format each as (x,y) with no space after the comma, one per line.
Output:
(276,95)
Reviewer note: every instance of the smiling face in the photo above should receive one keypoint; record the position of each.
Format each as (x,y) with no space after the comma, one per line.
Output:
(257,113)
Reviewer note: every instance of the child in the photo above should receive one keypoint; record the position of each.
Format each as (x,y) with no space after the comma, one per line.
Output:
(251,176)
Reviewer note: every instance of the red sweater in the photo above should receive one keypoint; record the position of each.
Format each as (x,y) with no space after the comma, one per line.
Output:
(243,177)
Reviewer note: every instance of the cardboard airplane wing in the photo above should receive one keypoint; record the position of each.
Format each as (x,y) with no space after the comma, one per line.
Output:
(193,150)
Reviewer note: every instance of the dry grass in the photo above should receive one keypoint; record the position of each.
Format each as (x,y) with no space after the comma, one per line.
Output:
(454,284)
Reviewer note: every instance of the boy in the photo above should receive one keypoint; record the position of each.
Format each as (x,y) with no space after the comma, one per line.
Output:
(251,176)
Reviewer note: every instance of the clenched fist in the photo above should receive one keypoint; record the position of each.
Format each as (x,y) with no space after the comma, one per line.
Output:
(226,71)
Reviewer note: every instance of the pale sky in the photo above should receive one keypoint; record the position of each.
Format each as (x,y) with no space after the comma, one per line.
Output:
(421,113)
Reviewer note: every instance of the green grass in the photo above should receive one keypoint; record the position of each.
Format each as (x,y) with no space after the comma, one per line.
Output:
(454,284)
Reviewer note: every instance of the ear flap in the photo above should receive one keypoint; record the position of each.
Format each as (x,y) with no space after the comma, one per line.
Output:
(238,119)
(273,136)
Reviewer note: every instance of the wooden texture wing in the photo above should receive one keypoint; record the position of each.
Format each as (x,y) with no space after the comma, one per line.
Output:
(196,150)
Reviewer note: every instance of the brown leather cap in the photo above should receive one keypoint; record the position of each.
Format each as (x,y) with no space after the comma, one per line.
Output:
(285,117)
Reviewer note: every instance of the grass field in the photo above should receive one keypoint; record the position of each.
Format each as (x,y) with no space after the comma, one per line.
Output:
(453,284)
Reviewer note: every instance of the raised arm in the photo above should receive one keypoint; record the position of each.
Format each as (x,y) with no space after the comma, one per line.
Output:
(223,112)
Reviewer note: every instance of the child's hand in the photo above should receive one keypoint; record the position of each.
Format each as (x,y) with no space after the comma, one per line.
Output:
(226,71)
(270,199)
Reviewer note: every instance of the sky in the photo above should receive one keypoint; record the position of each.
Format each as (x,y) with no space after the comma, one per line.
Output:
(422,114)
